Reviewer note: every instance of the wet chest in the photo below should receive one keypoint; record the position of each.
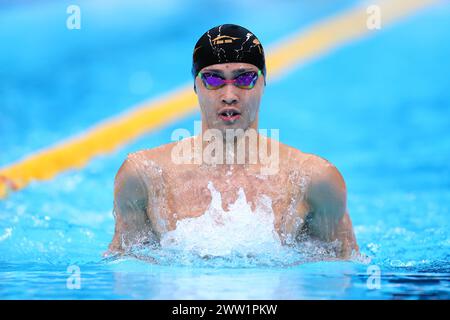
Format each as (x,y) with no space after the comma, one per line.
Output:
(190,196)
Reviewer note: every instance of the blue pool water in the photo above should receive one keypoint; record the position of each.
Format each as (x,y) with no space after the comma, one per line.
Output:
(378,108)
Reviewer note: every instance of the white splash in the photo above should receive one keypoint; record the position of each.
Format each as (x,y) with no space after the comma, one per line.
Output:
(6,234)
(220,233)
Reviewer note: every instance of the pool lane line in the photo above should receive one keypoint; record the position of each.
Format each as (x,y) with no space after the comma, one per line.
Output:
(322,37)
(75,152)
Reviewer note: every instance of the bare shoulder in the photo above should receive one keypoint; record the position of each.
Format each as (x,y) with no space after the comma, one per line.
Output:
(137,167)
(158,155)
(156,158)
(323,172)
(128,182)
(326,187)
(293,159)
(319,170)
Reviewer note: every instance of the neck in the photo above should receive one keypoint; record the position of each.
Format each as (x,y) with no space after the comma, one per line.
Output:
(233,147)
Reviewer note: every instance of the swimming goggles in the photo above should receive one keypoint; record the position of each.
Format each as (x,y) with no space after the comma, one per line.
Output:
(246,80)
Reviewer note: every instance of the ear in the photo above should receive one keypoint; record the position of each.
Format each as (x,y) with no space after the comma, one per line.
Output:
(195,88)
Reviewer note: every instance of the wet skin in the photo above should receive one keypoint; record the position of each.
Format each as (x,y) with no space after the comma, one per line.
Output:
(152,193)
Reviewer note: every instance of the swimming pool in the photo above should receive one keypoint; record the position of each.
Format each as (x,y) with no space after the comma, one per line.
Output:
(377,108)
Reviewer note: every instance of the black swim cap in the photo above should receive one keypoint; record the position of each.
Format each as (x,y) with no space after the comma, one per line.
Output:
(228,43)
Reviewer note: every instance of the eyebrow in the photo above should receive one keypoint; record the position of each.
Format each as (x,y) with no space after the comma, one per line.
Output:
(234,72)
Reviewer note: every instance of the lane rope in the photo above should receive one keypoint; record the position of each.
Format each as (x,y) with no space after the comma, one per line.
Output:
(298,48)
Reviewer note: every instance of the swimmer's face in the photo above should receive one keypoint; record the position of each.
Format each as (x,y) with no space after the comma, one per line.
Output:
(229,107)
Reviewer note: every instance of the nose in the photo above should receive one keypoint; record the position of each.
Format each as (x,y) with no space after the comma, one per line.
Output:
(229,95)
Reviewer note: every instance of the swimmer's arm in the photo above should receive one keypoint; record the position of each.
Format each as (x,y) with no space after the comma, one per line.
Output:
(328,218)
(130,209)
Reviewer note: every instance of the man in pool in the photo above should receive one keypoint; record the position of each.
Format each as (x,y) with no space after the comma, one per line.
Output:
(154,189)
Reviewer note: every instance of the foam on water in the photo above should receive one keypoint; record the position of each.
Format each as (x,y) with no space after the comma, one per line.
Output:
(218,232)
(238,237)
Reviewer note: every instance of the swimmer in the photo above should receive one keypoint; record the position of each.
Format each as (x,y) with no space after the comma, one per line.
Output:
(153,190)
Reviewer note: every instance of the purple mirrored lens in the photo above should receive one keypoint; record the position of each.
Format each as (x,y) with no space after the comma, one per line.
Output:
(213,80)
(246,79)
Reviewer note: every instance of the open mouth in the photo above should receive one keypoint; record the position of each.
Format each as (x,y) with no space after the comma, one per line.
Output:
(229,115)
